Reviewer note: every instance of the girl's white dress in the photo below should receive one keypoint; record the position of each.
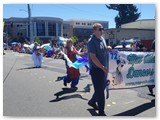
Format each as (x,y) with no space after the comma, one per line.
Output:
(37,59)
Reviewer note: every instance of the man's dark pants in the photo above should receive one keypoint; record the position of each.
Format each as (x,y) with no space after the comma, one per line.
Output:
(99,83)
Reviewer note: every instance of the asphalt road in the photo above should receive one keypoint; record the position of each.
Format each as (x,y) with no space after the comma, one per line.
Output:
(35,92)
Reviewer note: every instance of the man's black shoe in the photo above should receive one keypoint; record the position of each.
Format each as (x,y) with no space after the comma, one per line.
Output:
(150,89)
(102,114)
(94,105)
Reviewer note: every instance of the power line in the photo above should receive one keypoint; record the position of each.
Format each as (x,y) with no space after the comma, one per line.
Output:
(84,11)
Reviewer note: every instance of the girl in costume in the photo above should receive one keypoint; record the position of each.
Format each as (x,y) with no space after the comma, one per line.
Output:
(37,56)
(73,74)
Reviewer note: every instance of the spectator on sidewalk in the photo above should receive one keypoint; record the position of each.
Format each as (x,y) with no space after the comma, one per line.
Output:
(141,47)
(133,46)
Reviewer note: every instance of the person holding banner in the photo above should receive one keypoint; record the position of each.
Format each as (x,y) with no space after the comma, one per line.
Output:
(150,87)
(97,51)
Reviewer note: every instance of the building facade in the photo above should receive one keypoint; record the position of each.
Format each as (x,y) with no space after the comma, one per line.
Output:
(50,28)
(143,30)
(45,28)
(16,29)
(83,29)
(67,29)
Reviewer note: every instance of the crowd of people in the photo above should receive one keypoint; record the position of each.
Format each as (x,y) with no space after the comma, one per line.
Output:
(138,46)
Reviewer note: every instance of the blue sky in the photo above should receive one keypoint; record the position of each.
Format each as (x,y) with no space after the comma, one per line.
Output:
(74,11)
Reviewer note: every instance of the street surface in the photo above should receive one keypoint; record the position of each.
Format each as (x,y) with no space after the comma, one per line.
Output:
(36,92)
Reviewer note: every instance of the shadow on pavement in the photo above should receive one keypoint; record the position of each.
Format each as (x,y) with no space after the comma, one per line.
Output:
(30,68)
(66,91)
(93,112)
(87,88)
(59,78)
(137,110)
(83,76)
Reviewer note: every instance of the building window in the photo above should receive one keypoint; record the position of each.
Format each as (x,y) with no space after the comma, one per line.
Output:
(83,31)
(65,35)
(89,24)
(19,34)
(65,27)
(83,23)
(59,29)
(52,29)
(105,25)
(77,23)
(40,29)
(20,25)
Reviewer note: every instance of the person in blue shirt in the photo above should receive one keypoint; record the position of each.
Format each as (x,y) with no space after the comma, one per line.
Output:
(97,52)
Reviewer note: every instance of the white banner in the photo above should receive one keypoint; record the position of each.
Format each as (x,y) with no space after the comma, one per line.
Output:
(131,69)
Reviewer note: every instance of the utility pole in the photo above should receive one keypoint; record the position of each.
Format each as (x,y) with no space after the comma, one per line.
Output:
(30,25)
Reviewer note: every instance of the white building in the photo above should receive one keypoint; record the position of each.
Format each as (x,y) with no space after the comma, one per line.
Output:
(143,30)
(141,24)
(81,28)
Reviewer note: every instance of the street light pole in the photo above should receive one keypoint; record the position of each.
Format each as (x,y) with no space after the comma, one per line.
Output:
(30,25)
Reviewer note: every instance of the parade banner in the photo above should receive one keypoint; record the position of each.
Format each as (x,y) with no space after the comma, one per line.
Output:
(131,69)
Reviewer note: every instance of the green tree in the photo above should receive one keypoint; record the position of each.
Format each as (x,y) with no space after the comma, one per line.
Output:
(75,39)
(36,39)
(126,13)
(85,40)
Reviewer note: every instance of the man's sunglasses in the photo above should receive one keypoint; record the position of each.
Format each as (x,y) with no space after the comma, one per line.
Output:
(100,29)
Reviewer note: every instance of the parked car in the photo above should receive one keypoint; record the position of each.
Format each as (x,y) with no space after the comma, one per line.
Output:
(127,45)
